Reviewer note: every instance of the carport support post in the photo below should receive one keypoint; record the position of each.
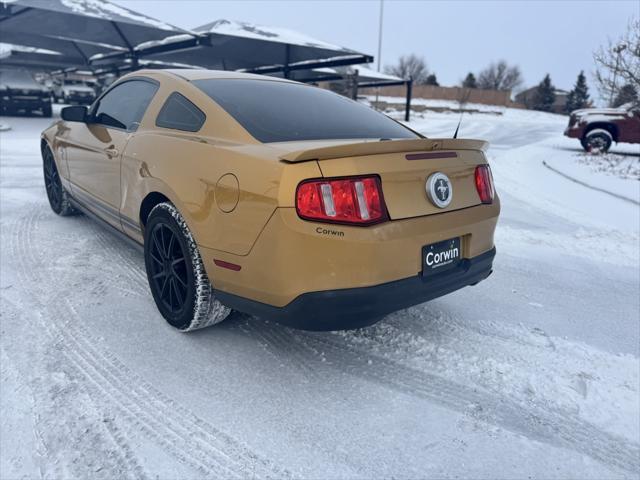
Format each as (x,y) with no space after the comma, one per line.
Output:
(407,107)
(287,57)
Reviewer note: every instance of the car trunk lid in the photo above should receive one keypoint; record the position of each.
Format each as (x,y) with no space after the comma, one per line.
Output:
(404,167)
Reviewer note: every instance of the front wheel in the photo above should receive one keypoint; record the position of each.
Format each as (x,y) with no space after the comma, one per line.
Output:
(597,141)
(56,193)
(176,274)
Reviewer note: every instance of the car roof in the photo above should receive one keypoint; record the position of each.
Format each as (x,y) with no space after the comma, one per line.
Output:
(204,74)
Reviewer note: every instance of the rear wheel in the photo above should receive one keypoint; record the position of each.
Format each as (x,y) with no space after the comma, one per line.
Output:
(176,274)
(597,141)
(58,196)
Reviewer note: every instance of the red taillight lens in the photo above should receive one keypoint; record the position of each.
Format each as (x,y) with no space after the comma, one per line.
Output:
(356,200)
(484,183)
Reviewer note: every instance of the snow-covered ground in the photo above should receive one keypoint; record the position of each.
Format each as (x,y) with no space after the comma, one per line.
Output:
(533,373)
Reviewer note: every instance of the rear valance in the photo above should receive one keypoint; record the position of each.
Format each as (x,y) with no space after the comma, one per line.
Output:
(381,147)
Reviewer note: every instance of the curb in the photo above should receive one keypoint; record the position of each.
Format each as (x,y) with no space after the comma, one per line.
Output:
(580,182)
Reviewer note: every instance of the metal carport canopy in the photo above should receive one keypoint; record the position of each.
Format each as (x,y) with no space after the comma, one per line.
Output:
(229,45)
(366,76)
(34,59)
(78,28)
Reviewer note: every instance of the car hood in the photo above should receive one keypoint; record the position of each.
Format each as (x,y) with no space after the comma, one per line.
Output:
(598,111)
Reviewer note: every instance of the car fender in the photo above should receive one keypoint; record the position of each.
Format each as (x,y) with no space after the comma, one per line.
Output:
(195,174)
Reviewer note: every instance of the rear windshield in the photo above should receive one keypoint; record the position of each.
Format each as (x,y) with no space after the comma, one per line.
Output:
(273,111)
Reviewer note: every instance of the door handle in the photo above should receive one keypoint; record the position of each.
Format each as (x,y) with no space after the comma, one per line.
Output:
(111,152)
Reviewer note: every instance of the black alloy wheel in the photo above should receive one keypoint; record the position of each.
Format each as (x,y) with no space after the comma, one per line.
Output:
(169,273)
(177,278)
(52,182)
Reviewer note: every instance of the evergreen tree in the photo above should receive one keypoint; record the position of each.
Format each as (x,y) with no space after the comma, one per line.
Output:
(627,93)
(470,81)
(544,95)
(579,96)
(432,80)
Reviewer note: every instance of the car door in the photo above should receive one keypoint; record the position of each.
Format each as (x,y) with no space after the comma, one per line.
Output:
(94,149)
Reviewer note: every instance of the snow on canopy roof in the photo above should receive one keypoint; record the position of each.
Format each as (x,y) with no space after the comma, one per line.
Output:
(369,73)
(271,34)
(99,9)
(163,41)
(91,26)
(226,45)
(7,48)
(365,74)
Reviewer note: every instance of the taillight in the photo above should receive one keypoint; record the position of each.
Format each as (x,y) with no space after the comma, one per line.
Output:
(354,200)
(484,183)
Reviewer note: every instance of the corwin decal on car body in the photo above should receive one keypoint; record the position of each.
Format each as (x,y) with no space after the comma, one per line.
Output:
(326,231)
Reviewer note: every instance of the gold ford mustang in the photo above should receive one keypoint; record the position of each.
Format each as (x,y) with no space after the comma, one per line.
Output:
(274,198)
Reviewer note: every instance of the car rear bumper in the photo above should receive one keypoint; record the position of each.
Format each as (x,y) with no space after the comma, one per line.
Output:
(358,307)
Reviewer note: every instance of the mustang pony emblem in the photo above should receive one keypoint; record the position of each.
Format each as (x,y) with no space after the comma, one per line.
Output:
(439,189)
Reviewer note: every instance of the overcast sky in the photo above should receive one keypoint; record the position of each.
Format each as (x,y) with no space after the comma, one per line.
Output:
(455,37)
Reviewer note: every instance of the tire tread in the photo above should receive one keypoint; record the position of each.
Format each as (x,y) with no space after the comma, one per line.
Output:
(207,310)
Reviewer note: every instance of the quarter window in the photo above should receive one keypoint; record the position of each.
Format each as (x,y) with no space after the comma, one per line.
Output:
(179,113)
(124,105)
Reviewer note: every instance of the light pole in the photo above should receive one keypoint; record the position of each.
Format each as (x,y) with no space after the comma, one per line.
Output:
(617,50)
(379,46)
(380,34)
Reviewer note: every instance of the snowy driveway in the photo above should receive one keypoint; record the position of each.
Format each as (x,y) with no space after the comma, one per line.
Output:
(532,373)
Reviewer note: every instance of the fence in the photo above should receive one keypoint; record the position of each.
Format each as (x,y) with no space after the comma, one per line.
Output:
(472,95)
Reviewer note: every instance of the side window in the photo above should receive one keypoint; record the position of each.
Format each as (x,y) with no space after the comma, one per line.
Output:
(125,104)
(180,114)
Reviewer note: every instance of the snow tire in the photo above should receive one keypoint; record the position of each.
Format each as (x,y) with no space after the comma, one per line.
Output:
(59,199)
(597,140)
(200,307)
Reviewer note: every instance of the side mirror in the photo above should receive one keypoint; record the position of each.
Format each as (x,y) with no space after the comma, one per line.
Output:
(75,113)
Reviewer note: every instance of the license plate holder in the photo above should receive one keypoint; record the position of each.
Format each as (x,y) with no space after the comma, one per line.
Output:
(441,256)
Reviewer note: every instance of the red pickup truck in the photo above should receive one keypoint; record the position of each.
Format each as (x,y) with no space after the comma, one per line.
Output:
(598,128)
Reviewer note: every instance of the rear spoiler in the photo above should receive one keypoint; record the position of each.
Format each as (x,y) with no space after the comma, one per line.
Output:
(386,146)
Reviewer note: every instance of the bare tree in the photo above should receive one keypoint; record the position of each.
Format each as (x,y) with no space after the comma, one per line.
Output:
(500,76)
(410,66)
(618,62)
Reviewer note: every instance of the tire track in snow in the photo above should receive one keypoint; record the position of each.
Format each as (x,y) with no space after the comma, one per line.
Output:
(208,467)
(83,431)
(182,421)
(555,427)
(127,265)
(199,445)
(279,348)
(254,466)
